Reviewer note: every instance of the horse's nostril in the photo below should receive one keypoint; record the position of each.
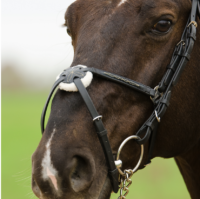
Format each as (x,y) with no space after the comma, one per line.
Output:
(81,176)
(75,175)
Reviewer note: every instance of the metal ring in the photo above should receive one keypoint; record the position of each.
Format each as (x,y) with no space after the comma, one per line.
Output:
(141,155)
(192,22)
(182,41)
(97,118)
(158,118)
(157,94)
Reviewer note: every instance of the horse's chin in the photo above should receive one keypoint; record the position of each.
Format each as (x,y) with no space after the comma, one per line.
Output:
(106,190)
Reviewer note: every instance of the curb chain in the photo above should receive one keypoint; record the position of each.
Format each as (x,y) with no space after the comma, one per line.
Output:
(125,184)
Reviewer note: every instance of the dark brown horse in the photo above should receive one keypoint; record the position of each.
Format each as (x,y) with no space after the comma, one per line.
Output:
(134,39)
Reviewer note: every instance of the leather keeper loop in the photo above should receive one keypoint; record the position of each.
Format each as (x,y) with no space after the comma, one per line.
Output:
(152,92)
(165,101)
(149,125)
(187,56)
(152,124)
(178,53)
(146,137)
(193,36)
(114,179)
(162,87)
(170,67)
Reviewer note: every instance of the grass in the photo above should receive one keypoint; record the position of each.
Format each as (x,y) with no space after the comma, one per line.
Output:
(21,134)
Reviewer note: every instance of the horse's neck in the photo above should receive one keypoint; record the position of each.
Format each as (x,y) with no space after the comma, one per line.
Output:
(189,161)
(189,164)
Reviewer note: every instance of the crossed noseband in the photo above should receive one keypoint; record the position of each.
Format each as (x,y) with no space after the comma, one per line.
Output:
(160,97)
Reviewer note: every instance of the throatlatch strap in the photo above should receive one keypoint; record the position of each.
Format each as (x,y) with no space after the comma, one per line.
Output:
(102,134)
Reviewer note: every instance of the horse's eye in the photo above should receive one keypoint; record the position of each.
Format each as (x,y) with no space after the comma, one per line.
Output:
(163,26)
(68,32)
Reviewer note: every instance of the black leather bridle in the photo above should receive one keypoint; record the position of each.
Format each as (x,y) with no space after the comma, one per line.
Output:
(160,95)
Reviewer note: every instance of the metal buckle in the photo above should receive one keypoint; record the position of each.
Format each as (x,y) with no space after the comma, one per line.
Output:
(192,22)
(97,118)
(158,118)
(157,95)
(182,41)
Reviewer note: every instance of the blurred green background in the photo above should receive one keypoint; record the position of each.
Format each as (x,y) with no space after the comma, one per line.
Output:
(21,112)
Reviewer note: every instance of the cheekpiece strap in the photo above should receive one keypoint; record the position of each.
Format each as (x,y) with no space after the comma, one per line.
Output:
(101,132)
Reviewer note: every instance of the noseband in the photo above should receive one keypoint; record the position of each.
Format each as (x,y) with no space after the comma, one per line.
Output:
(160,96)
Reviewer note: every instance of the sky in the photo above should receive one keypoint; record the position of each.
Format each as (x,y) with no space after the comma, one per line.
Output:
(33,39)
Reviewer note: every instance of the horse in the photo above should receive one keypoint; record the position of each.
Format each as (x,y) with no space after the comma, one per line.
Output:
(128,40)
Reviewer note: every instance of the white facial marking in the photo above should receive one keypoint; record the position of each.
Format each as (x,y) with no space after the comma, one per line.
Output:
(48,170)
(121,2)
(53,179)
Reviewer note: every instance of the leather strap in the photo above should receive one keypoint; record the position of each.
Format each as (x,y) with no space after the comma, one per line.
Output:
(122,80)
(102,134)
(47,102)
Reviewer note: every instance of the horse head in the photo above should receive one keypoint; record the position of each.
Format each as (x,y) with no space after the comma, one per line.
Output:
(133,39)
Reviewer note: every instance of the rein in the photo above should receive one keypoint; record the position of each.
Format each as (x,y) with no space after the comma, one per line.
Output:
(160,96)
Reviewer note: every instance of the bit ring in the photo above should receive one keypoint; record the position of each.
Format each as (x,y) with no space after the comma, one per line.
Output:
(119,151)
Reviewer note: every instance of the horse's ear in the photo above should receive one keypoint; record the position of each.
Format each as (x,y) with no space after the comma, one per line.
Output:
(64,25)
(65,17)
(70,16)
